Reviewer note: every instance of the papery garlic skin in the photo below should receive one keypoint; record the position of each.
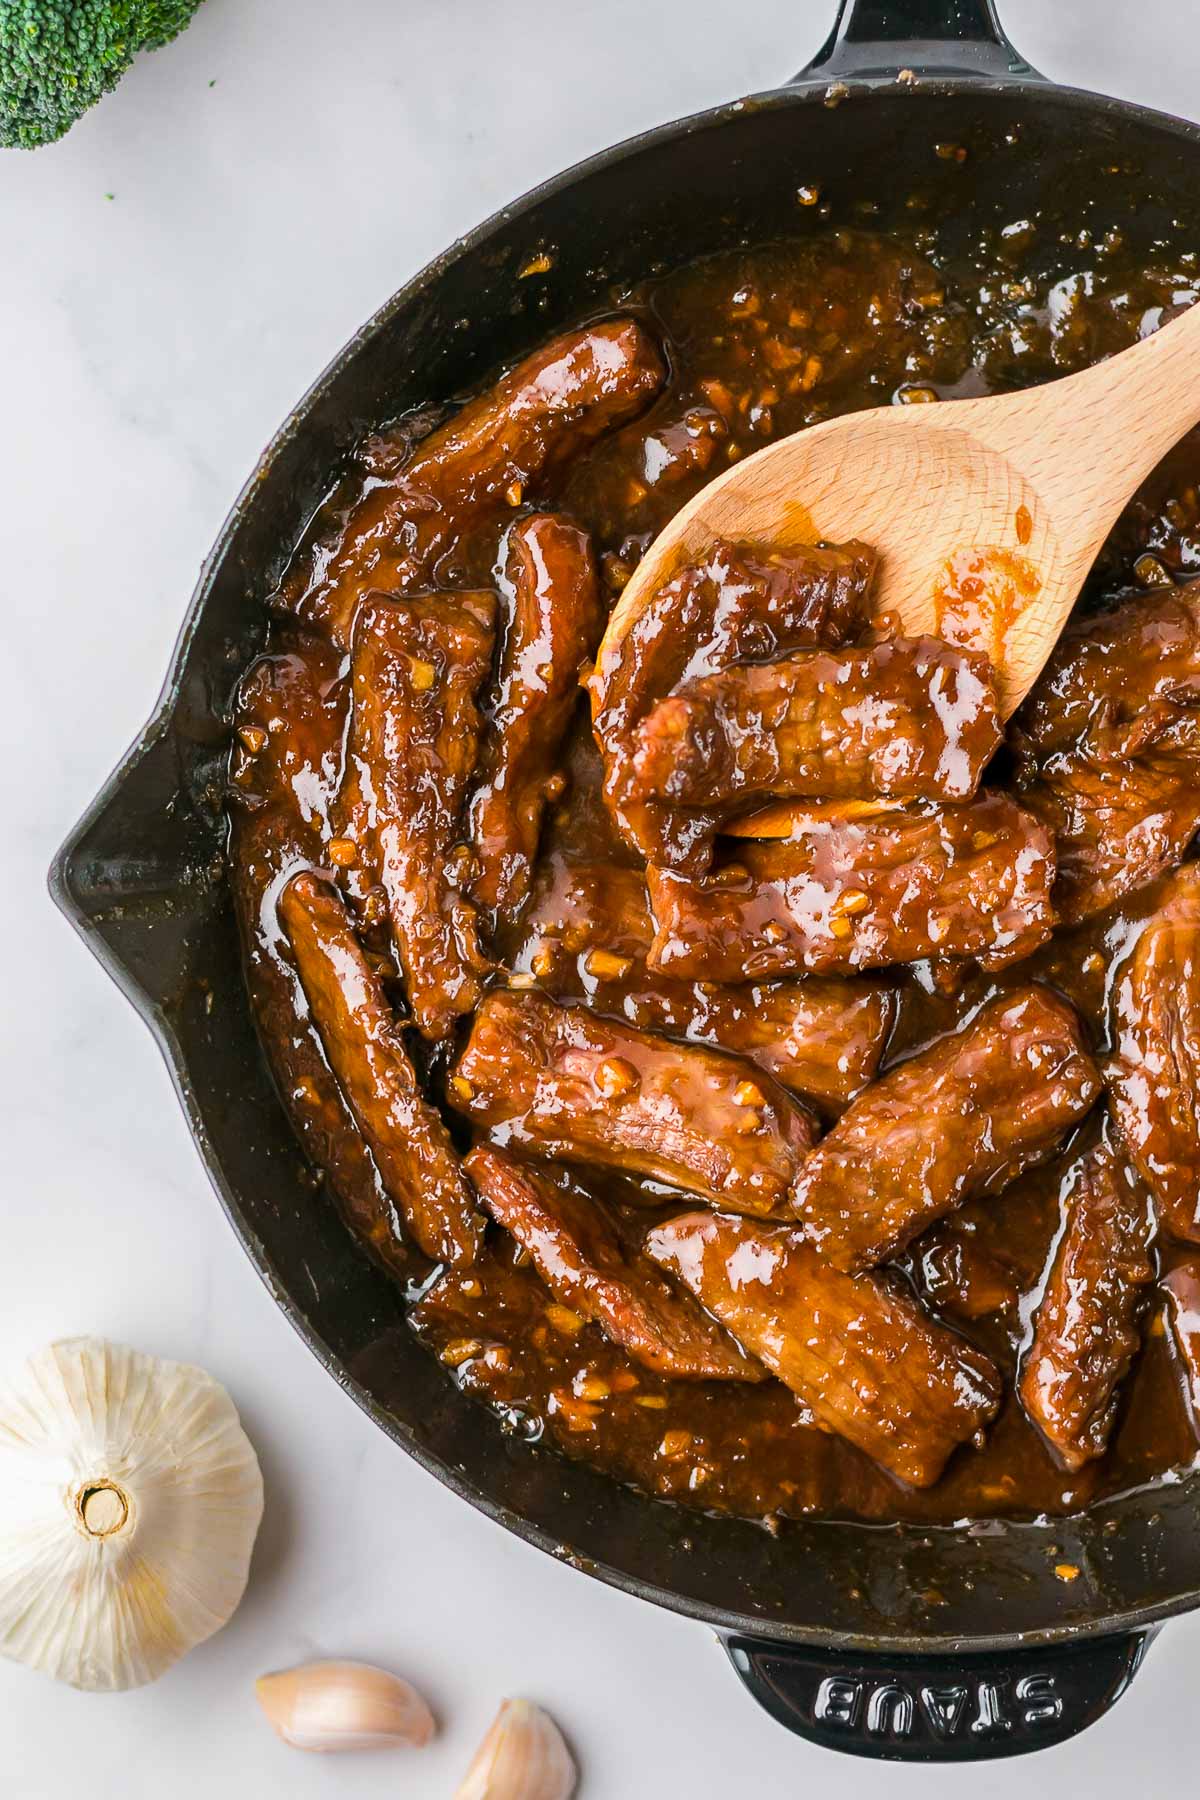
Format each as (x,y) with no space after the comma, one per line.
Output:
(523,1757)
(344,1706)
(130,1498)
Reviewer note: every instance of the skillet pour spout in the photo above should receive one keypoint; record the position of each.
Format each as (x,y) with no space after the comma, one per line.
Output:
(921,1644)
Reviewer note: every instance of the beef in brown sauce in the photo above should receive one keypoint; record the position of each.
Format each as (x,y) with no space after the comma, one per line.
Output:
(593,1265)
(1085,1332)
(963,1118)
(561,1082)
(291,714)
(291,711)
(1108,748)
(613,426)
(898,719)
(953,1271)
(420,1172)
(860,885)
(417,667)
(553,627)
(397,532)
(589,932)
(736,605)
(1154,1075)
(860,1354)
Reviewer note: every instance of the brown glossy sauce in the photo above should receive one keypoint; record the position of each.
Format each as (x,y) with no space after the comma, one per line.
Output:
(763,342)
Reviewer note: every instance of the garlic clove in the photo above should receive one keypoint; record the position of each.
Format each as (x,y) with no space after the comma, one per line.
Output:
(523,1757)
(343,1706)
(130,1498)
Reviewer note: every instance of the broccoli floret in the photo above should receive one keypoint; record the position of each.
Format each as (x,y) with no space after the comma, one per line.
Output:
(57,57)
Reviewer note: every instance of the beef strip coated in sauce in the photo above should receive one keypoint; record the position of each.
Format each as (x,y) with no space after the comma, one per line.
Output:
(592,1266)
(898,719)
(953,1272)
(821,1039)
(737,604)
(290,716)
(1154,1075)
(1108,748)
(960,1119)
(858,1352)
(679,441)
(506,442)
(860,885)
(553,628)
(563,1083)
(411,1147)
(1085,1333)
(1115,829)
(417,666)
(646,469)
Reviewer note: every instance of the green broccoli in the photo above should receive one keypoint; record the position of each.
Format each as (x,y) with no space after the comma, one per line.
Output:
(57,57)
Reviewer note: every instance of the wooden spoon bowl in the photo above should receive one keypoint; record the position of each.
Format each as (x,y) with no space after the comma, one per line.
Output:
(987,514)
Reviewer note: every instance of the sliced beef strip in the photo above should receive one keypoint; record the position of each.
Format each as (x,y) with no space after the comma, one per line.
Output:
(563,1083)
(861,886)
(897,719)
(1086,1331)
(1154,1074)
(960,1119)
(858,1352)
(553,625)
(596,1268)
(735,605)
(951,1270)
(283,782)
(417,667)
(1108,748)
(1117,680)
(555,403)
(823,1039)
(1115,829)
(289,718)
(411,1147)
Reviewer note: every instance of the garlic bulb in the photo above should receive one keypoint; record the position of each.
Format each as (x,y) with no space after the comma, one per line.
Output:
(130,1498)
(343,1706)
(523,1757)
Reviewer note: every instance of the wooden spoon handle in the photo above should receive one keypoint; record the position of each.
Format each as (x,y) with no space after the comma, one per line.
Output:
(1088,441)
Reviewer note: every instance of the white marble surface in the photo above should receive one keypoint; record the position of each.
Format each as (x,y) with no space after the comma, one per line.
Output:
(274,175)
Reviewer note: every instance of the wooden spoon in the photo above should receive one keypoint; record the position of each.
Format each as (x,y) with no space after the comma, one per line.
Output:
(987,514)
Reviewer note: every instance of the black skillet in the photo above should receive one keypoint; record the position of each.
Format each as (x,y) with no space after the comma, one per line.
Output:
(894,1642)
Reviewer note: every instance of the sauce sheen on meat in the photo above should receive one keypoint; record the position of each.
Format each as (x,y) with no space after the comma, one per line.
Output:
(561,1082)
(963,1118)
(709,1045)
(860,885)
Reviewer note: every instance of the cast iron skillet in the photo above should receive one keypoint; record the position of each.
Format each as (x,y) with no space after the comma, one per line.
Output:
(884,1641)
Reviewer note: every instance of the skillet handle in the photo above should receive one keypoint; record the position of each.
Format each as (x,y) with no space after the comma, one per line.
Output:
(946,1708)
(874,39)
